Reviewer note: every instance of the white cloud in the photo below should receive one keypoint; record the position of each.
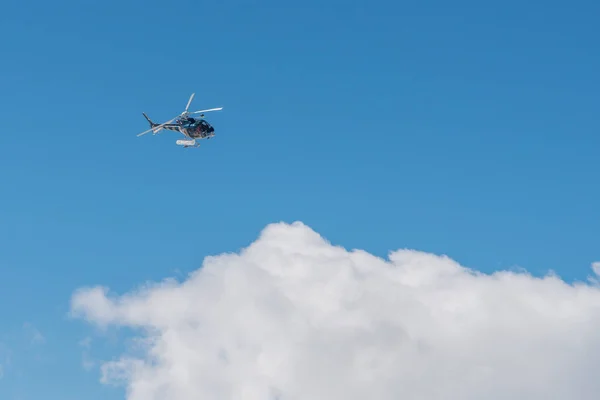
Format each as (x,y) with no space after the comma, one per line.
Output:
(596,267)
(295,318)
(86,361)
(35,336)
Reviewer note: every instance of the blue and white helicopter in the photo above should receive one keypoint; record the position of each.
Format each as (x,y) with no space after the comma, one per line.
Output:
(192,128)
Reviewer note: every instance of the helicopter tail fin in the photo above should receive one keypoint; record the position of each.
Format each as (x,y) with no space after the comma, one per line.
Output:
(153,124)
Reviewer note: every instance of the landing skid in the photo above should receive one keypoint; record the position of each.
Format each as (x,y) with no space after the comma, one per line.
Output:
(188,143)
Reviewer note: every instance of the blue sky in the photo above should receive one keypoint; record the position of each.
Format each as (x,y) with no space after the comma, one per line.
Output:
(456,128)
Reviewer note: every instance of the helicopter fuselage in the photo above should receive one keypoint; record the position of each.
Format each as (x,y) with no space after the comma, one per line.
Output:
(196,128)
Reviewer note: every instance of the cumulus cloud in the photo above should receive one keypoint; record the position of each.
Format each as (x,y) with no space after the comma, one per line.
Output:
(34,335)
(292,317)
(596,267)
(86,360)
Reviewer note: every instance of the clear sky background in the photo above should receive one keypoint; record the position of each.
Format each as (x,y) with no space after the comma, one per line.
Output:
(461,128)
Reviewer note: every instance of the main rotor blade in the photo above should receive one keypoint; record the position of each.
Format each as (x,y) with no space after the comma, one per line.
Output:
(210,109)
(157,127)
(189,102)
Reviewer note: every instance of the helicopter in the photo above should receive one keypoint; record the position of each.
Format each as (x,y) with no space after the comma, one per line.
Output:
(192,128)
